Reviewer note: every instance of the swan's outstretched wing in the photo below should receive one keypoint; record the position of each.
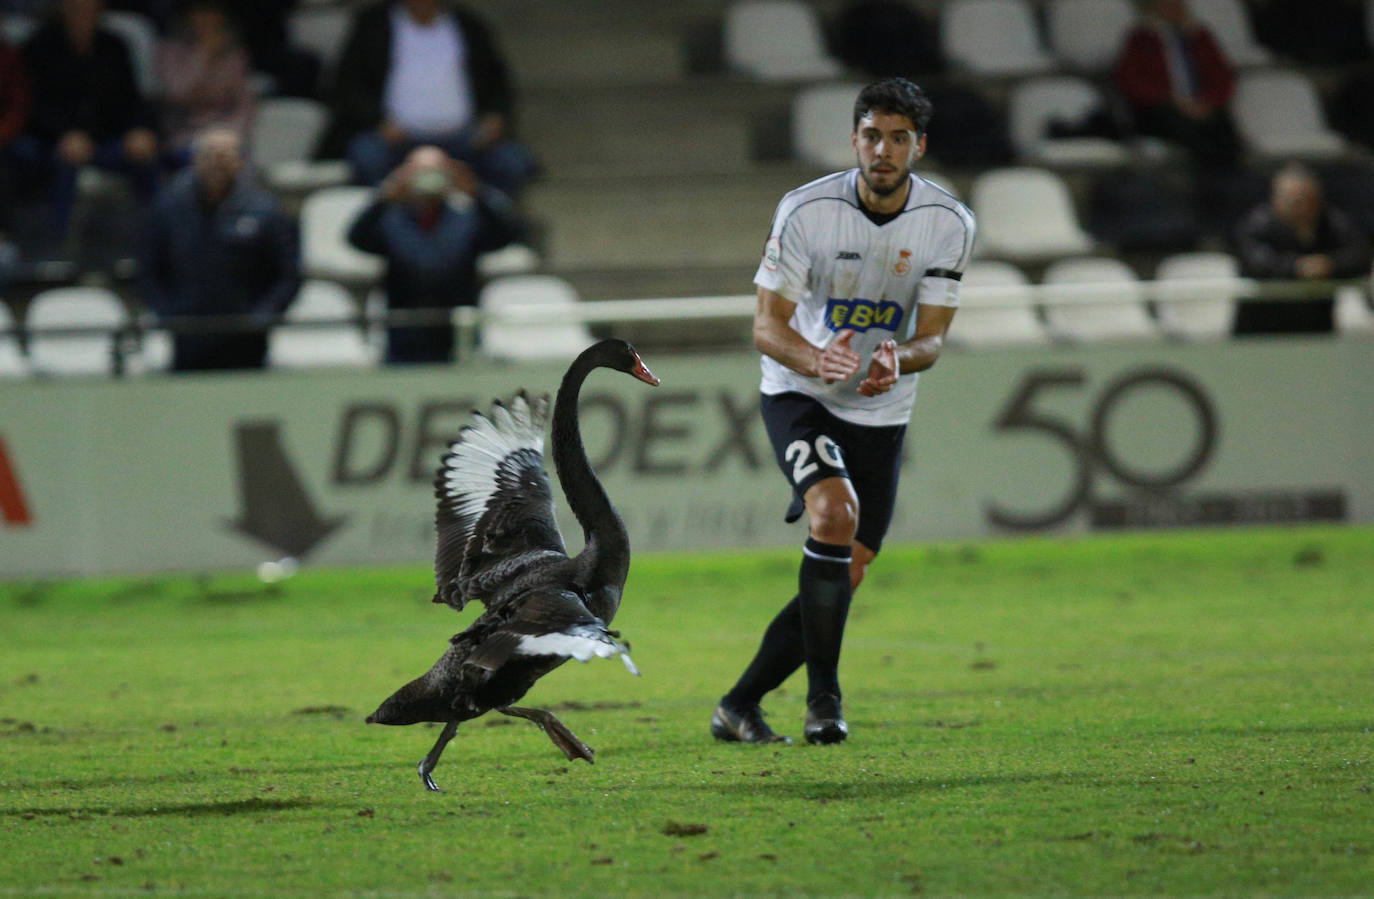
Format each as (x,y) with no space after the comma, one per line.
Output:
(495,517)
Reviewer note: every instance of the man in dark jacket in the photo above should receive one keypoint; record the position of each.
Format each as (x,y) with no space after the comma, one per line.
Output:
(87,108)
(431,245)
(421,72)
(1177,81)
(1296,236)
(218,245)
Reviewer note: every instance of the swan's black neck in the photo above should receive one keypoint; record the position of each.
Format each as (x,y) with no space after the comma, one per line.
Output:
(605,559)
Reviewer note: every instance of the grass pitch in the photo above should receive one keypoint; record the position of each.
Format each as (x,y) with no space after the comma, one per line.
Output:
(1160,714)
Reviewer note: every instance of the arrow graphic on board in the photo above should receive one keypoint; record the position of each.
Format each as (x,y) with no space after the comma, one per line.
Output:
(275,508)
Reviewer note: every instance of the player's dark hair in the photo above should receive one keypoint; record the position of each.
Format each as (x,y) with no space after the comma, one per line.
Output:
(897,96)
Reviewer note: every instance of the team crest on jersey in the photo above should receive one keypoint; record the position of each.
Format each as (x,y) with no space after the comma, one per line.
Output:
(772,252)
(860,315)
(903,262)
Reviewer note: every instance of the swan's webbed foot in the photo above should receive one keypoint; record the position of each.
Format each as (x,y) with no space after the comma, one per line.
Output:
(557,731)
(427,763)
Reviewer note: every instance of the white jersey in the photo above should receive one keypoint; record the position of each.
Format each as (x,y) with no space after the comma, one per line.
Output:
(845,271)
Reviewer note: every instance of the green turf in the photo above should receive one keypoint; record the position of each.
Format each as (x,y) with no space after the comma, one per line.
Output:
(1177,714)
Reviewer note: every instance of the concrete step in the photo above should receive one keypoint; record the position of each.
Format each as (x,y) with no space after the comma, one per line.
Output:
(648,222)
(703,125)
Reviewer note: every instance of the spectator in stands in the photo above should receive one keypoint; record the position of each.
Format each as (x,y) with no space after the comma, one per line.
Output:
(1177,81)
(87,108)
(1296,236)
(431,246)
(420,72)
(204,74)
(219,245)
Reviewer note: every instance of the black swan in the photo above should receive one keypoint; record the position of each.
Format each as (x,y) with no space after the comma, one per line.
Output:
(499,544)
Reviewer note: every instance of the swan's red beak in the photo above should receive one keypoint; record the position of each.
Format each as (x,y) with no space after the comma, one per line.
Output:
(642,372)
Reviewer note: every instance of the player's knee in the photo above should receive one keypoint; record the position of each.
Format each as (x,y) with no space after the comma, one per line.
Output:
(834,517)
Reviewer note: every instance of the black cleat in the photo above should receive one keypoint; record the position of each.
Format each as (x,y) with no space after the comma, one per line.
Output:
(743,725)
(825,721)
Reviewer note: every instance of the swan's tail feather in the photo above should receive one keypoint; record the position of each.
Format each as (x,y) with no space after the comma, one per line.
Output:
(582,642)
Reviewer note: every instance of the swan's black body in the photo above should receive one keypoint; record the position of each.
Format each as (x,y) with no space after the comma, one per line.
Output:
(498,544)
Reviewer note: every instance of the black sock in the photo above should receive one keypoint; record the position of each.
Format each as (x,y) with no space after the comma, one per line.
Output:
(780,653)
(824,595)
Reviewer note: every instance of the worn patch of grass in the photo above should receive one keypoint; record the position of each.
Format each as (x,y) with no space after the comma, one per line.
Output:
(1158,714)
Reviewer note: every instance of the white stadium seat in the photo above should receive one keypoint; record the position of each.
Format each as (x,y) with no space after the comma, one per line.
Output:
(996,307)
(512,259)
(1230,25)
(1278,114)
(776,40)
(1114,308)
(993,37)
(822,115)
(1198,312)
(322,30)
(1087,34)
(519,340)
(1026,214)
(75,307)
(1353,314)
(283,141)
(140,37)
(328,331)
(326,216)
(1037,102)
(12,361)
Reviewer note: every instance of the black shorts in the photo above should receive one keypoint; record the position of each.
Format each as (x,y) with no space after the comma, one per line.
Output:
(811,444)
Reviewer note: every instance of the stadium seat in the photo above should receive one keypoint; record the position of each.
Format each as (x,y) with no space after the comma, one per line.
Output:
(1036,104)
(1230,24)
(822,115)
(1279,115)
(512,259)
(12,360)
(776,40)
(996,307)
(140,36)
(75,307)
(17,27)
(326,331)
(1113,308)
(993,37)
(283,142)
(1086,34)
(154,352)
(1353,313)
(520,340)
(322,30)
(1198,311)
(1026,214)
(326,254)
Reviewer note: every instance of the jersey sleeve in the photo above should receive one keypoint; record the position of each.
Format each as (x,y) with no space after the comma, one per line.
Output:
(785,267)
(953,246)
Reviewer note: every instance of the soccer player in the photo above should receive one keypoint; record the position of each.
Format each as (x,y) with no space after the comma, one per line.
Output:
(856,291)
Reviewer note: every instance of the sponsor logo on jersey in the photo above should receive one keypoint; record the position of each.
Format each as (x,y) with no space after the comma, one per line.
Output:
(847,254)
(860,315)
(903,262)
(772,252)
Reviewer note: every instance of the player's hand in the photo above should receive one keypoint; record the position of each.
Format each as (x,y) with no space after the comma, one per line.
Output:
(882,370)
(837,361)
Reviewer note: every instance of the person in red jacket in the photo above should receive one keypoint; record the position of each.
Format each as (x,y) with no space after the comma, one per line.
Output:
(1177,81)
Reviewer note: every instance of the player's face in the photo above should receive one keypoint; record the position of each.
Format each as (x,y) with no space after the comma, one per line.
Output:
(887,147)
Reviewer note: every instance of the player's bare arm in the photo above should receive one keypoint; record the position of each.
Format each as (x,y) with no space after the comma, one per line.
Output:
(918,354)
(774,336)
(923,349)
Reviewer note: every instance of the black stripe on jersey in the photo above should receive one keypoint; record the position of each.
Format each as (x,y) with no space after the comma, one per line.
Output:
(949,273)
